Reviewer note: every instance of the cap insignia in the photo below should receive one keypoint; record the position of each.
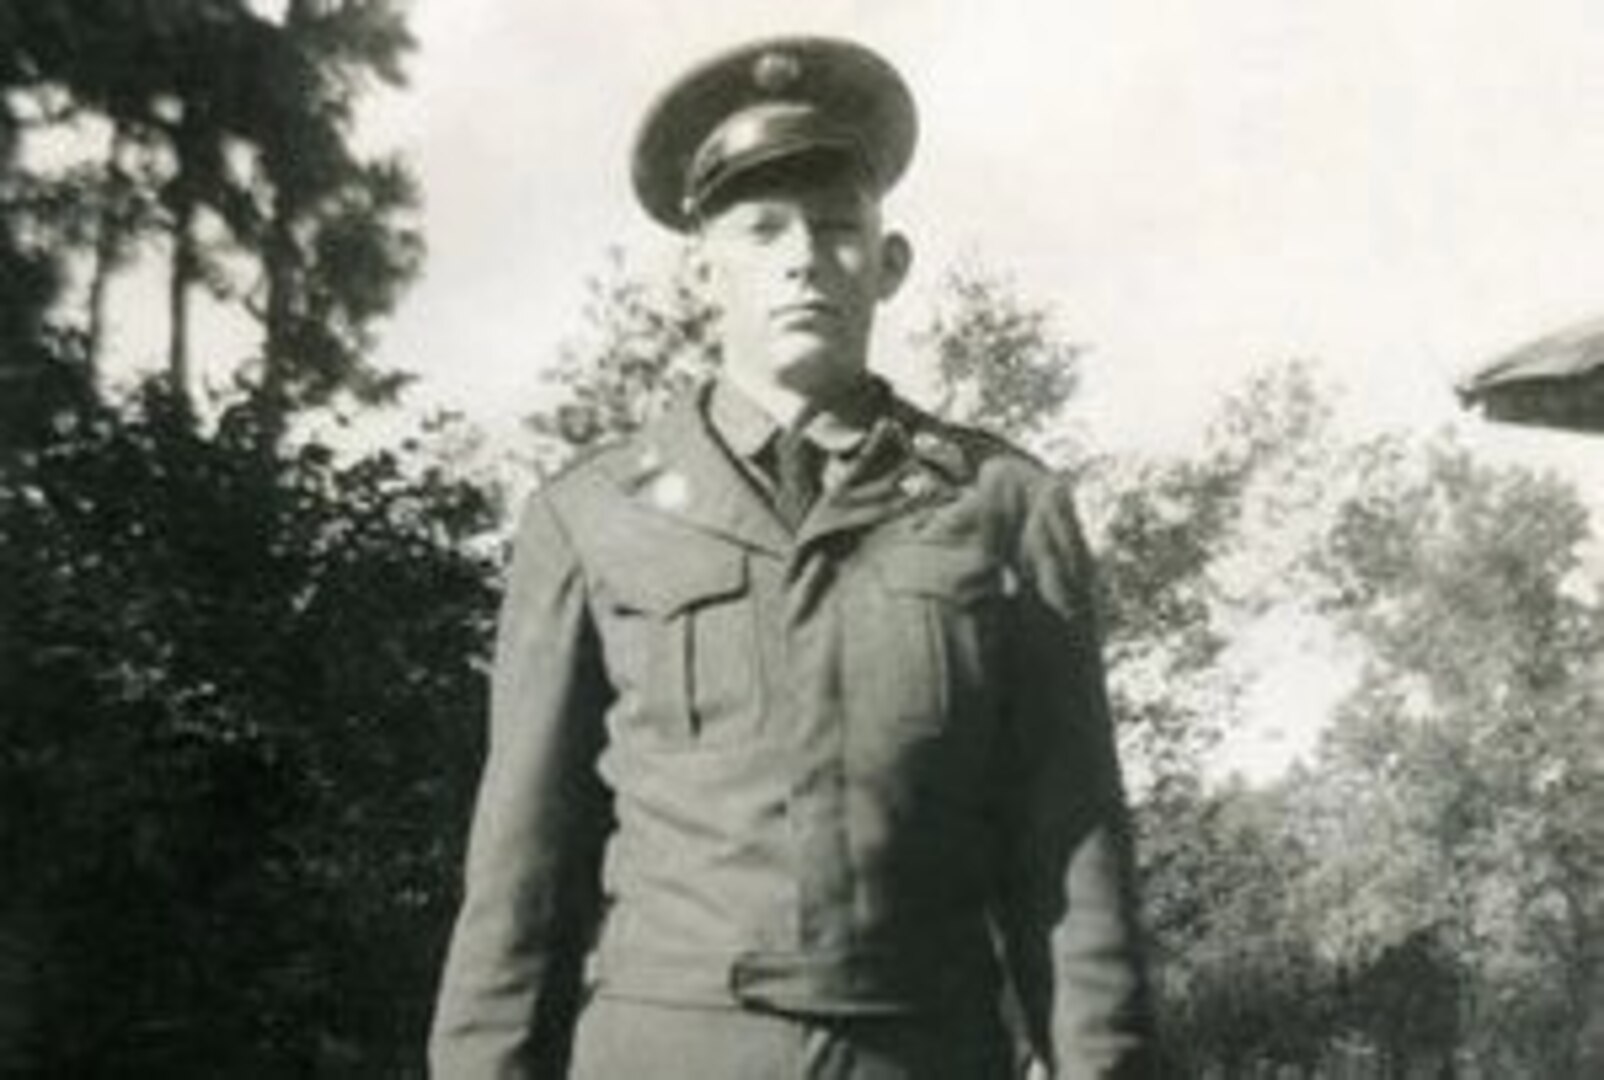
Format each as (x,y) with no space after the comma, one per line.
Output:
(776,72)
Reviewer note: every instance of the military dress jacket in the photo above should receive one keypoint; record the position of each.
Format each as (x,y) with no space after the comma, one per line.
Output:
(860,767)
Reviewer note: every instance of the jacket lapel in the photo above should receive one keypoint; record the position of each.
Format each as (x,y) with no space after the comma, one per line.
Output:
(904,466)
(680,471)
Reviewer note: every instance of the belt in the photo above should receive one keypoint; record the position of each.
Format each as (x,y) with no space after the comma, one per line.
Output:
(839,983)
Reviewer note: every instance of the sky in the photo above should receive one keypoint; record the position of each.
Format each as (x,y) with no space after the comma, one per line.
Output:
(1396,190)
(1393,190)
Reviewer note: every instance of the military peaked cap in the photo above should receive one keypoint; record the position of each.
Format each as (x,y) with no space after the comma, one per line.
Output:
(765,102)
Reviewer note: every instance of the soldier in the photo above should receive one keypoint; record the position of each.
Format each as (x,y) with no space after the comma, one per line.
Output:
(800,761)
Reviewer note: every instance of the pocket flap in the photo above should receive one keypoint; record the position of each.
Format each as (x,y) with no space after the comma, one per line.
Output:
(668,581)
(956,574)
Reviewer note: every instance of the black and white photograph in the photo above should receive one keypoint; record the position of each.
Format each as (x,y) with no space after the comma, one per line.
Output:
(852,540)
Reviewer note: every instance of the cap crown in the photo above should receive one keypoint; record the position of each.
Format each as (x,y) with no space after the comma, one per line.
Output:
(766,101)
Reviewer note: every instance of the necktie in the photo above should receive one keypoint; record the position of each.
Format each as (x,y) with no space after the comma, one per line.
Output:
(798,475)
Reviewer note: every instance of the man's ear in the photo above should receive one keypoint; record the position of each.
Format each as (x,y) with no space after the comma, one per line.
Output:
(896,258)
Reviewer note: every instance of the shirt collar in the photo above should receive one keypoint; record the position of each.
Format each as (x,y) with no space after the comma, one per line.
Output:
(746,428)
(738,420)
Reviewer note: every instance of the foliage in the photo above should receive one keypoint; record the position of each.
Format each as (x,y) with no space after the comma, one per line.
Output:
(1477,728)
(241,677)
(35,379)
(998,359)
(227,137)
(240,714)
(1192,551)
(1241,983)
(1317,924)
(642,346)
(1425,893)
(998,362)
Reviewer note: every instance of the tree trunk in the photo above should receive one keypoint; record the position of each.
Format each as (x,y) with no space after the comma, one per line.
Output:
(183,199)
(178,286)
(279,261)
(109,241)
(281,266)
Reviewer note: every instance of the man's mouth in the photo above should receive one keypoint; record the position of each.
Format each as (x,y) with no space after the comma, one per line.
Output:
(806,309)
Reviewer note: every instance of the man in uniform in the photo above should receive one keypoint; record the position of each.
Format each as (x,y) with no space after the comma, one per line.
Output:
(800,761)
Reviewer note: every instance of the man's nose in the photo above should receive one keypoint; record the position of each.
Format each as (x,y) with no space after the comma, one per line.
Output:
(799,247)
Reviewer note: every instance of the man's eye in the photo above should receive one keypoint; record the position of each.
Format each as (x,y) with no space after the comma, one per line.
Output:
(758,227)
(835,227)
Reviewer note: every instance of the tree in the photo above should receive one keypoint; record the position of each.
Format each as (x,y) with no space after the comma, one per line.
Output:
(333,256)
(1424,898)
(241,675)
(1243,980)
(642,345)
(37,376)
(228,135)
(1477,725)
(240,701)
(1000,360)
(1427,897)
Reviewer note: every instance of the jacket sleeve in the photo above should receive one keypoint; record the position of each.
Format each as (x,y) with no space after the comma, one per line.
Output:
(511,984)
(1067,909)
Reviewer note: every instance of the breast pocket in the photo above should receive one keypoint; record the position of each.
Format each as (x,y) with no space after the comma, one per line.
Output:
(680,637)
(935,622)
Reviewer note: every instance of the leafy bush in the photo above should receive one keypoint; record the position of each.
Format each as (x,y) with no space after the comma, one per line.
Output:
(240,705)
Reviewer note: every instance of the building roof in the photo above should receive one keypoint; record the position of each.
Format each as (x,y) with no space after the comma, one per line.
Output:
(1556,381)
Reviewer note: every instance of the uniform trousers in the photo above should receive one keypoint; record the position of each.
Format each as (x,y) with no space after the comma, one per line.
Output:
(625,1039)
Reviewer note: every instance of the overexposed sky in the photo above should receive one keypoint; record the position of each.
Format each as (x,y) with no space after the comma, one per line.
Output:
(1394,188)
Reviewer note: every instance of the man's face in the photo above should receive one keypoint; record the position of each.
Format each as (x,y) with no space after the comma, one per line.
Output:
(796,264)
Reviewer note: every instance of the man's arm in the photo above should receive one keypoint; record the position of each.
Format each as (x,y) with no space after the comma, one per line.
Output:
(511,984)
(1067,907)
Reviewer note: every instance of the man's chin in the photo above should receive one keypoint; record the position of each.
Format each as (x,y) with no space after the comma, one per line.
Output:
(817,374)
